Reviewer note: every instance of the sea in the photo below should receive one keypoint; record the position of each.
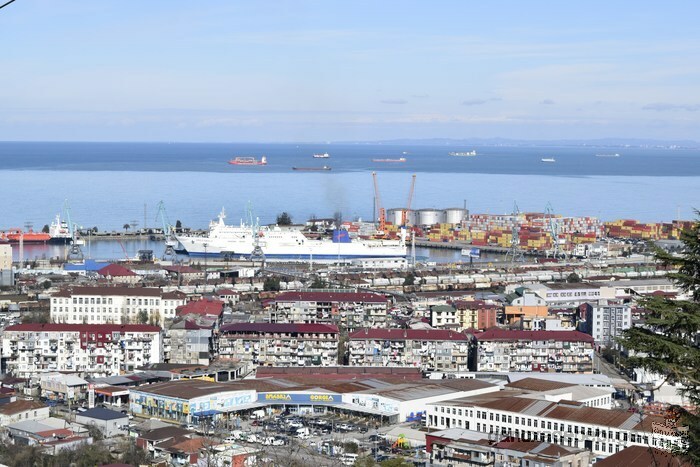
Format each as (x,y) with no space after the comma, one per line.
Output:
(108,185)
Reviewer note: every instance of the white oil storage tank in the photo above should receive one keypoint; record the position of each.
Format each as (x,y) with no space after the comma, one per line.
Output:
(455,215)
(430,216)
(394,215)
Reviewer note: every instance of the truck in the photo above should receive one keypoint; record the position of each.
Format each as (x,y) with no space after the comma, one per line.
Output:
(257,414)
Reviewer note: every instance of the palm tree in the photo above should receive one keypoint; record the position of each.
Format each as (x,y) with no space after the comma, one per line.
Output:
(126,227)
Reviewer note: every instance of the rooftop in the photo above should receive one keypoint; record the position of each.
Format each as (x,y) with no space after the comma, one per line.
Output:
(279,328)
(115,270)
(100,413)
(112,291)
(18,406)
(354,297)
(643,455)
(409,334)
(89,328)
(511,335)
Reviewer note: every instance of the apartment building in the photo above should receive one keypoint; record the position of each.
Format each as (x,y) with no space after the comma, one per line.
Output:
(114,305)
(464,314)
(547,351)
(573,293)
(351,310)
(91,350)
(280,344)
(428,349)
(564,422)
(606,320)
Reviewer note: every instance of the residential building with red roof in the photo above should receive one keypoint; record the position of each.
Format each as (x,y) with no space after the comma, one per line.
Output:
(280,344)
(119,274)
(22,409)
(87,349)
(119,305)
(190,341)
(427,349)
(538,351)
(352,310)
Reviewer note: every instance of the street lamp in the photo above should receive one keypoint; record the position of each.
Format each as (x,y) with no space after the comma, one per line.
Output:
(205,266)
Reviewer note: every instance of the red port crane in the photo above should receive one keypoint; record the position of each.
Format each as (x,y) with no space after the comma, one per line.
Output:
(378,204)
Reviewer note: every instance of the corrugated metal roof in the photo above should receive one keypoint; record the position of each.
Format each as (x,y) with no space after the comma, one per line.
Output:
(279,328)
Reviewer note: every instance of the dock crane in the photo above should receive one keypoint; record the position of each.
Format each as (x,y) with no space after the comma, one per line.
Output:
(168,232)
(404,213)
(75,252)
(378,203)
(554,230)
(515,253)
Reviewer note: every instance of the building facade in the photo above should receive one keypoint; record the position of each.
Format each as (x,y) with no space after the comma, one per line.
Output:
(280,344)
(114,305)
(351,310)
(88,349)
(546,351)
(606,321)
(567,423)
(431,349)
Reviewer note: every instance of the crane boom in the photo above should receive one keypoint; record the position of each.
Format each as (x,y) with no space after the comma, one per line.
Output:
(378,203)
(404,213)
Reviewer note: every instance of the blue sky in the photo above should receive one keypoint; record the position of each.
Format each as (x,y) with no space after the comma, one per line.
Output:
(274,71)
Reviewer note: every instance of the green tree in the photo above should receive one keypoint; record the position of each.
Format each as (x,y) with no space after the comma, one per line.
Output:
(396,462)
(573,278)
(667,344)
(410,279)
(142,317)
(126,227)
(45,229)
(318,283)
(271,284)
(178,225)
(284,218)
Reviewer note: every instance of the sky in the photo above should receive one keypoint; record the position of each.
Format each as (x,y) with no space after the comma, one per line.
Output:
(303,71)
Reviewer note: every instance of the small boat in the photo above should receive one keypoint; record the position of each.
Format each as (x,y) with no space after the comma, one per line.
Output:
(312,169)
(548,159)
(608,155)
(462,154)
(325,155)
(400,159)
(248,161)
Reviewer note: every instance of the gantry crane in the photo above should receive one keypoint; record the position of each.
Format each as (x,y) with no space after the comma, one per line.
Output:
(168,232)
(378,203)
(404,213)
(515,253)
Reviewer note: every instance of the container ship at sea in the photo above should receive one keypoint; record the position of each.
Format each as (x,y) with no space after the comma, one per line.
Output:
(248,161)
(279,243)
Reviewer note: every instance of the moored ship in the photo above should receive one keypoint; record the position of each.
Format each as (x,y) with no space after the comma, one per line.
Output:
(59,231)
(15,235)
(248,161)
(325,155)
(462,154)
(275,242)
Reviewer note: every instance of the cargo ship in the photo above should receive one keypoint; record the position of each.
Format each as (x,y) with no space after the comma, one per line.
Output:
(248,161)
(462,154)
(59,231)
(312,169)
(608,155)
(548,159)
(400,159)
(279,243)
(14,236)
(325,155)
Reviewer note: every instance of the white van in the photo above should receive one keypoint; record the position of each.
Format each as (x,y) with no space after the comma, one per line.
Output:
(348,458)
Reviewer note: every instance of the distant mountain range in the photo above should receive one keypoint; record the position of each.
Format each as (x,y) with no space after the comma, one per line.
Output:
(603,142)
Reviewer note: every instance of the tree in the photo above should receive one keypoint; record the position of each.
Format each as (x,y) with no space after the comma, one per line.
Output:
(126,227)
(667,344)
(318,283)
(271,284)
(573,278)
(284,218)
(410,279)
(142,317)
(45,229)
(178,225)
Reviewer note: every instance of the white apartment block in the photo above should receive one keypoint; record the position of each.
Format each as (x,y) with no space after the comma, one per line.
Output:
(114,305)
(558,421)
(92,350)
(428,349)
(606,322)
(538,351)
(351,310)
(5,256)
(280,344)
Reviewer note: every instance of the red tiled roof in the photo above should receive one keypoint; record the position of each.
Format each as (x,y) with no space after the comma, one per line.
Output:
(643,455)
(509,335)
(472,304)
(61,327)
(203,307)
(221,292)
(348,297)
(18,406)
(409,334)
(115,270)
(183,269)
(279,327)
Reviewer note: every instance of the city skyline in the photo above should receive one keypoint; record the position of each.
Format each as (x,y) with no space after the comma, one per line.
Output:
(314,71)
